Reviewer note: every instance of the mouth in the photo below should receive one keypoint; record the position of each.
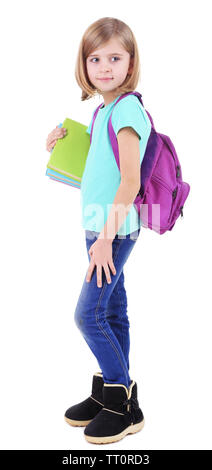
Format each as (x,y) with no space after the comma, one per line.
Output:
(105,79)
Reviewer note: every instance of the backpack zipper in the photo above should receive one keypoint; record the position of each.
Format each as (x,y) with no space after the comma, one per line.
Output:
(173,193)
(177,167)
(158,179)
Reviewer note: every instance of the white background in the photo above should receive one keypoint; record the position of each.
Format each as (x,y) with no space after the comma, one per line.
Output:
(46,366)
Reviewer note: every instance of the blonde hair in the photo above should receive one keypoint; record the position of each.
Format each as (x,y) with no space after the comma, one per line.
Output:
(96,35)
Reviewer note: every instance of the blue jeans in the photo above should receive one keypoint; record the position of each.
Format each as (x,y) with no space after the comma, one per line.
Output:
(101,313)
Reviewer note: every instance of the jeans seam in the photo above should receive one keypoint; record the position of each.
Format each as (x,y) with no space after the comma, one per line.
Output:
(102,329)
(122,310)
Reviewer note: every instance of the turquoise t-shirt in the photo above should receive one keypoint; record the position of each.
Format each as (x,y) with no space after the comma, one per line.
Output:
(101,177)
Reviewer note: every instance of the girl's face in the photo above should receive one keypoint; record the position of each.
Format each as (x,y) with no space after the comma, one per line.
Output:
(110,62)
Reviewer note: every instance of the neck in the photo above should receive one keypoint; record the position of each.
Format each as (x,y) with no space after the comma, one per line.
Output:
(109,97)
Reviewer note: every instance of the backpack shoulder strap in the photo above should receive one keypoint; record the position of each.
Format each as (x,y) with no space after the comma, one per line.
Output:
(120,98)
(94,117)
(112,135)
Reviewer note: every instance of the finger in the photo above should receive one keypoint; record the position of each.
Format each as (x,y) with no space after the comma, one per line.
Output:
(50,146)
(112,267)
(53,143)
(54,136)
(61,134)
(61,130)
(57,133)
(51,139)
(90,271)
(99,275)
(107,273)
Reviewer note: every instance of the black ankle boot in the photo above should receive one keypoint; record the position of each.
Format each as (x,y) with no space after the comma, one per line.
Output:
(120,415)
(82,413)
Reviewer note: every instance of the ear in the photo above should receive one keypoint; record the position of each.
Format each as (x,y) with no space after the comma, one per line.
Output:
(130,69)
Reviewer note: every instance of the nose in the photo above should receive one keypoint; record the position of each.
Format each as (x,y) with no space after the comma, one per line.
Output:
(104,67)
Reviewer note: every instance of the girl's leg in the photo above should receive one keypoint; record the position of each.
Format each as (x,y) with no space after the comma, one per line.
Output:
(90,316)
(116,315)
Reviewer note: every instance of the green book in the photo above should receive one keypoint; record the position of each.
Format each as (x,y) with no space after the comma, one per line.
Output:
(70,153)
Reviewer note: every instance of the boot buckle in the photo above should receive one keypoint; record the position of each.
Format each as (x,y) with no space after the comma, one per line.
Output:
(128,403)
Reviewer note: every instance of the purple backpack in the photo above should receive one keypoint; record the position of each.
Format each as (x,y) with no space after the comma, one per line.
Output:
(162,193)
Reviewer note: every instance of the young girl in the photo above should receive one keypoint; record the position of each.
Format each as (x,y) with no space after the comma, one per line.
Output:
(108,65)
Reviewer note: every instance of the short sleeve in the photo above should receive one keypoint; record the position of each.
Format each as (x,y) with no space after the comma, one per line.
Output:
(129,112)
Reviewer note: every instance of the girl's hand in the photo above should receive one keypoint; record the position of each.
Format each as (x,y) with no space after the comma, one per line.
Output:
(101,256)
(57,133)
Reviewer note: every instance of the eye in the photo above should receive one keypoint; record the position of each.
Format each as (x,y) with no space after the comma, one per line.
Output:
(96,58)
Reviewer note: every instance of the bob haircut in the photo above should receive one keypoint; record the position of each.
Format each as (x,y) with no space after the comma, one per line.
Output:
(97,34)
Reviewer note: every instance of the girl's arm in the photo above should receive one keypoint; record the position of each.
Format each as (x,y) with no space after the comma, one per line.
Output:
(129,157)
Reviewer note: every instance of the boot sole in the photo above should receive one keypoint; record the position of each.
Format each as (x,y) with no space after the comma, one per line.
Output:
(133,428)
(74,422)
